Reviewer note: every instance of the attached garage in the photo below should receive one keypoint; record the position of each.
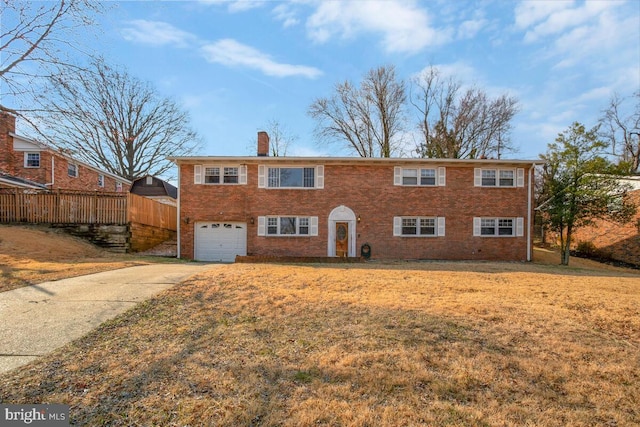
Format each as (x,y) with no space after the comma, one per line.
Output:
(220,241)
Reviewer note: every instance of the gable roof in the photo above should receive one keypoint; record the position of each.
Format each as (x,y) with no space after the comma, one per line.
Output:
(14,181)
(158,188)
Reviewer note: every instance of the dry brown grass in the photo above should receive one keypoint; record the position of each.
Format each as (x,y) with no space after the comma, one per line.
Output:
(30,255)
(402,344)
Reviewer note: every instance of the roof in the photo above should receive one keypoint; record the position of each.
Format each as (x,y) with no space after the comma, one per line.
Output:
(158,188)
(349,160)
(14,181)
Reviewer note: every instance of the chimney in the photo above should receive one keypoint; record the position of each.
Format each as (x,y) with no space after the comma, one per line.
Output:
(7,155)
(263,144)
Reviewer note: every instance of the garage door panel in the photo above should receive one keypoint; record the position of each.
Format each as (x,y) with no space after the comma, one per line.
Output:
(220,241)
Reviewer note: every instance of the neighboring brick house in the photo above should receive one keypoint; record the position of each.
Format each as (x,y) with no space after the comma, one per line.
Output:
(22,159)
(399,208)
(612,240)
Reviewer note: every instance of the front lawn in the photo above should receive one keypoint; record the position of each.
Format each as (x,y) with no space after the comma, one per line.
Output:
(446,344)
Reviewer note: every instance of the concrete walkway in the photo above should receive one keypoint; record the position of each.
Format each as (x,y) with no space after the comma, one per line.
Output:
(36,320)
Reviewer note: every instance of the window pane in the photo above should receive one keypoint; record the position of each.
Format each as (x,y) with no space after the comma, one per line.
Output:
(505,227)
(428,177)
(230,175)
(428,226)
(287,225)
(72,170)
(303,225)
(274,177)
(409,226)
(212,175)
(291,177)
(488,227)
(488,177)
(506,178)
(272,225)
(409,176)
(33,160)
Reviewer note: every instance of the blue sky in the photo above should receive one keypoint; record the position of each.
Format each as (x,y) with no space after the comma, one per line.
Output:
(235,65)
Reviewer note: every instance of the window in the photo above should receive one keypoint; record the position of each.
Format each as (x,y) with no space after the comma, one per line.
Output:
(419,176)
(220,174)
(419,226)
(290,177)
(288,226)
(119,187)
(499,177)
(500,227)
(72,170)
(149,180)
(31,160)
(100,180)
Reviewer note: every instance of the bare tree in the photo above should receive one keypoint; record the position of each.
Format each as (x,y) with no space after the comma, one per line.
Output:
(113,120)
(369,118)
(460,124)
(36,39)
(621,128)
(280,138)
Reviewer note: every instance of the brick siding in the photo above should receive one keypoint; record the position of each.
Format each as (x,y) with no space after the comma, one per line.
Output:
(369,191)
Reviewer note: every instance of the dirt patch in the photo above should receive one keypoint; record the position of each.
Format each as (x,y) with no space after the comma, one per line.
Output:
(30,255)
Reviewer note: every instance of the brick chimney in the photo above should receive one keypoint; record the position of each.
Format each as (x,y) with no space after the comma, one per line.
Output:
(7,155)
(263,144)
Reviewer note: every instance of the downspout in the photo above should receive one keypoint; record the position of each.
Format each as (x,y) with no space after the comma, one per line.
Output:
(529,206)
(178,215)
(53,171)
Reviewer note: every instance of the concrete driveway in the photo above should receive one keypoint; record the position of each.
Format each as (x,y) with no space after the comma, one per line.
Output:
(36,320)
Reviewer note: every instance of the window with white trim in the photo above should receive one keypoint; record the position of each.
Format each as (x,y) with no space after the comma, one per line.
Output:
(100,180)
(219,174)
(498,227)
(32,160)
(291,177)
(418,226)
(72,170)
(287,226)
(425,177)
(119,187)
(498,177)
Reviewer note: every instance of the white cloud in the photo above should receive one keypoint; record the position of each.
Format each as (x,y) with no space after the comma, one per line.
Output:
(156,33)
(235,6)
(231,53)
(283,12)
(470,28)
(403,25)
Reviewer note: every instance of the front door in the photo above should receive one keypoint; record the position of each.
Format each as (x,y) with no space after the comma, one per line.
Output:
(342,239)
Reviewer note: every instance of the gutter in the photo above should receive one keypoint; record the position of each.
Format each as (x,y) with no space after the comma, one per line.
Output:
(529,206)
(178,219)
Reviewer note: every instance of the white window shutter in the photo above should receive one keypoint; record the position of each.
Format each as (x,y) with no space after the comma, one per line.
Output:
(442,176)
(262,174)
(319,176)
(197,174)
(313,229)
(520,177)
(397,175)
(440,226)
(477,177)
(476,226)
(262,226)
(243,174)
(519,226)
(397,226)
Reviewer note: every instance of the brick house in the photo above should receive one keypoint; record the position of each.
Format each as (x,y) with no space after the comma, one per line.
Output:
(442,209)
(28,164)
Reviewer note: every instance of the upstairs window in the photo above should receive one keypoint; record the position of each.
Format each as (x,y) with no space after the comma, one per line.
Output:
(205,174)
(498,177)
(31,160)
(100,180)
(425,177)
(290,177)
(72,170)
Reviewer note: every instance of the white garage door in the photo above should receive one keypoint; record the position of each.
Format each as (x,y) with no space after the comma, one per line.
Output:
(220,241)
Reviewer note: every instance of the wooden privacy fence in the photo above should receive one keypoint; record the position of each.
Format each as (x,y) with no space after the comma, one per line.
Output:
(64,207)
